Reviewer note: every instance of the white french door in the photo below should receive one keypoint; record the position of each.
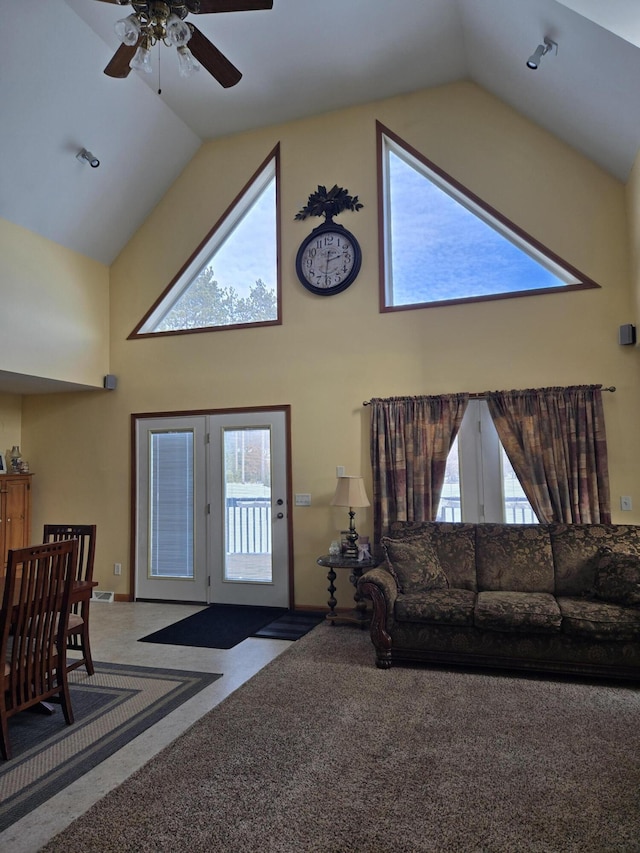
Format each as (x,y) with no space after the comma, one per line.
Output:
(171,501)
(248,522)
(212,508)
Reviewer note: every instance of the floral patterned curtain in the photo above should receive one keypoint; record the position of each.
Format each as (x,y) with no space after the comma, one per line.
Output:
(555,439)
(410,441)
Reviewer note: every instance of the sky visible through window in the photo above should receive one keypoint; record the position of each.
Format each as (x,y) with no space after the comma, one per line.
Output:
(249,252)
(440,250)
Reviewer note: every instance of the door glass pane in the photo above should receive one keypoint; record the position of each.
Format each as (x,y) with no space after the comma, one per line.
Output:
(171,505)
(247,504)
(449,507)
(517,509)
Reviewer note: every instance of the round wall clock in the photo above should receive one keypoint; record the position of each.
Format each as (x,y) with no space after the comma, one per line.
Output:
(329,259)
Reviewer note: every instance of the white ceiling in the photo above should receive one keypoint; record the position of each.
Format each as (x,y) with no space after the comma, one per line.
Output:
(300,58)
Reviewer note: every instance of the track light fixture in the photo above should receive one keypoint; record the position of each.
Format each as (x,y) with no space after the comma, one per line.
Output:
(85,156)
(542,50)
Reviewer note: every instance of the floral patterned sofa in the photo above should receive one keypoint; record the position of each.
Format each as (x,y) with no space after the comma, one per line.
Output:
(543,597)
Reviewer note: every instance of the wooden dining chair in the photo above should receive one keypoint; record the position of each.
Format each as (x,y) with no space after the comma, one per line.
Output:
(36,603)
(78,628)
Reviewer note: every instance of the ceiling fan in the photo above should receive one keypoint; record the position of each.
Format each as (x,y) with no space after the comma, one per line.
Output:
(164,21)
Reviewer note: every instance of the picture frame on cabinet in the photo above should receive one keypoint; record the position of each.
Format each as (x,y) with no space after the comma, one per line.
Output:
(3,464)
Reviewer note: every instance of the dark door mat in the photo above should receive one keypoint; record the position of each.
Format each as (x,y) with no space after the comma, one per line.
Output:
(291,625)
(218,626)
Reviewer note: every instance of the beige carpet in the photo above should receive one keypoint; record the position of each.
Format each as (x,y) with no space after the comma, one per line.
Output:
(321,751)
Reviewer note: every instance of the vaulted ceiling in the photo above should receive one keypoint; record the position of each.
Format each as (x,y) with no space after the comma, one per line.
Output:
(303,57)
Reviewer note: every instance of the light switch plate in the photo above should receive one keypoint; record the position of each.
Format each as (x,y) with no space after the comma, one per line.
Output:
(303,500)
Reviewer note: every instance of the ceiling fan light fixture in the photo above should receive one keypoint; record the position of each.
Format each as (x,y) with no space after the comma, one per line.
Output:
(128,30)
(142,58)
(187,64)
(178,32)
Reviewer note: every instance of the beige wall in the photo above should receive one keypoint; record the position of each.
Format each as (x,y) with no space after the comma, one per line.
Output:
(10,423)
(54,317)
(633,207)
(332,353)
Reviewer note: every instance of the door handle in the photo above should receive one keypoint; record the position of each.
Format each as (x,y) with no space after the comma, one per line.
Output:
(280,515)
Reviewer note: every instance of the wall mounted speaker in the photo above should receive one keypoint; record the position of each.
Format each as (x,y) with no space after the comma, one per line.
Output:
(110,382)
(627,335)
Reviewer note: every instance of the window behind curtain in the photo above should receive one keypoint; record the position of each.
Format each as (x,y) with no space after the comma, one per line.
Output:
(480,484)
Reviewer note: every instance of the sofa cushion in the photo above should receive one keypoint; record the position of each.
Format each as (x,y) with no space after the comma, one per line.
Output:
(514,557)
(529,612)
(414,564)
(590,619)
(576,550)
(454,543)
(617,578)
(439,606)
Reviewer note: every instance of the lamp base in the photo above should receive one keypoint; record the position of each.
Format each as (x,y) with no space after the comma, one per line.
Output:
(351,549)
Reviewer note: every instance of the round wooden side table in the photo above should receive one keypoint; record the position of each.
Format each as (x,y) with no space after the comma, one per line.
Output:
(358,614)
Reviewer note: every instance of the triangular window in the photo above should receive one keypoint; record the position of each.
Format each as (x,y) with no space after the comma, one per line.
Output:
(444,245)
(232,279)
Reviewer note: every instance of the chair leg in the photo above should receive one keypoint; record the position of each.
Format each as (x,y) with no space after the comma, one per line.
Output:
(86,645)
(85,649)
(89,661)
(5,745)
(65,700)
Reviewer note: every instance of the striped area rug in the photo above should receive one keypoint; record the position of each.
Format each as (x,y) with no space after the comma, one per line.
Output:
(111,708)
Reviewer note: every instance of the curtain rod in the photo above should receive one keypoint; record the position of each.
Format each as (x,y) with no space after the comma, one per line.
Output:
(483,395)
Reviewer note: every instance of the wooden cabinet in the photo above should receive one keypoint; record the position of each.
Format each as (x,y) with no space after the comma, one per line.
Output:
(15,513)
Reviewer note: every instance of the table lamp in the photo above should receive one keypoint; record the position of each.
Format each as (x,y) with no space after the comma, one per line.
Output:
(350,492)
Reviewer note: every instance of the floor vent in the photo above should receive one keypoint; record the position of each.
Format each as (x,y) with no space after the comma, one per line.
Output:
(103,595)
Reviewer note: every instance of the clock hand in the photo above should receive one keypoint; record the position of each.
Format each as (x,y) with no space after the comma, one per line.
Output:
(329,259)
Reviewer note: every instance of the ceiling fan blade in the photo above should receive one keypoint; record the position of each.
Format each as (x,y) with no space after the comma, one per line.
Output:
(119,65)
(210,58)
(118,2)
(205,7)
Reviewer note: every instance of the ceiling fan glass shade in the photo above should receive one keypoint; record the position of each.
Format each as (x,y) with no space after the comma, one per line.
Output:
(187,65)
(142,59)
(128,30)
(178,33)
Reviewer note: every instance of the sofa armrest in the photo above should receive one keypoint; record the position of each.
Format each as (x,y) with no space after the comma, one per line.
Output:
(380,586)
(384,581)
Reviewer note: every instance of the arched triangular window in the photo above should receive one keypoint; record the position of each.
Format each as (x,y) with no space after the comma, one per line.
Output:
(232,279)
(443,245)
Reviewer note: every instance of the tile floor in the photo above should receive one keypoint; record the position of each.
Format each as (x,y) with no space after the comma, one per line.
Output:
(115,630)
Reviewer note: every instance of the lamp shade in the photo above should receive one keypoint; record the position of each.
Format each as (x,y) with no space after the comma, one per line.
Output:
(350,492)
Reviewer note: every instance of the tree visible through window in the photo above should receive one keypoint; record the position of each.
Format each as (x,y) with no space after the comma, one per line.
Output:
(442,244)
(232,280)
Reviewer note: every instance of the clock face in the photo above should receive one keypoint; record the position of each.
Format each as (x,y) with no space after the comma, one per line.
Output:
(328,260)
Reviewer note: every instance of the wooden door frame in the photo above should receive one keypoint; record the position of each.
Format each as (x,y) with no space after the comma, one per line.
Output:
(186,413)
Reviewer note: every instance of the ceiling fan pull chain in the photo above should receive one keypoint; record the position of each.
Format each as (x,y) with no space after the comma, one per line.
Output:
(159,61)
